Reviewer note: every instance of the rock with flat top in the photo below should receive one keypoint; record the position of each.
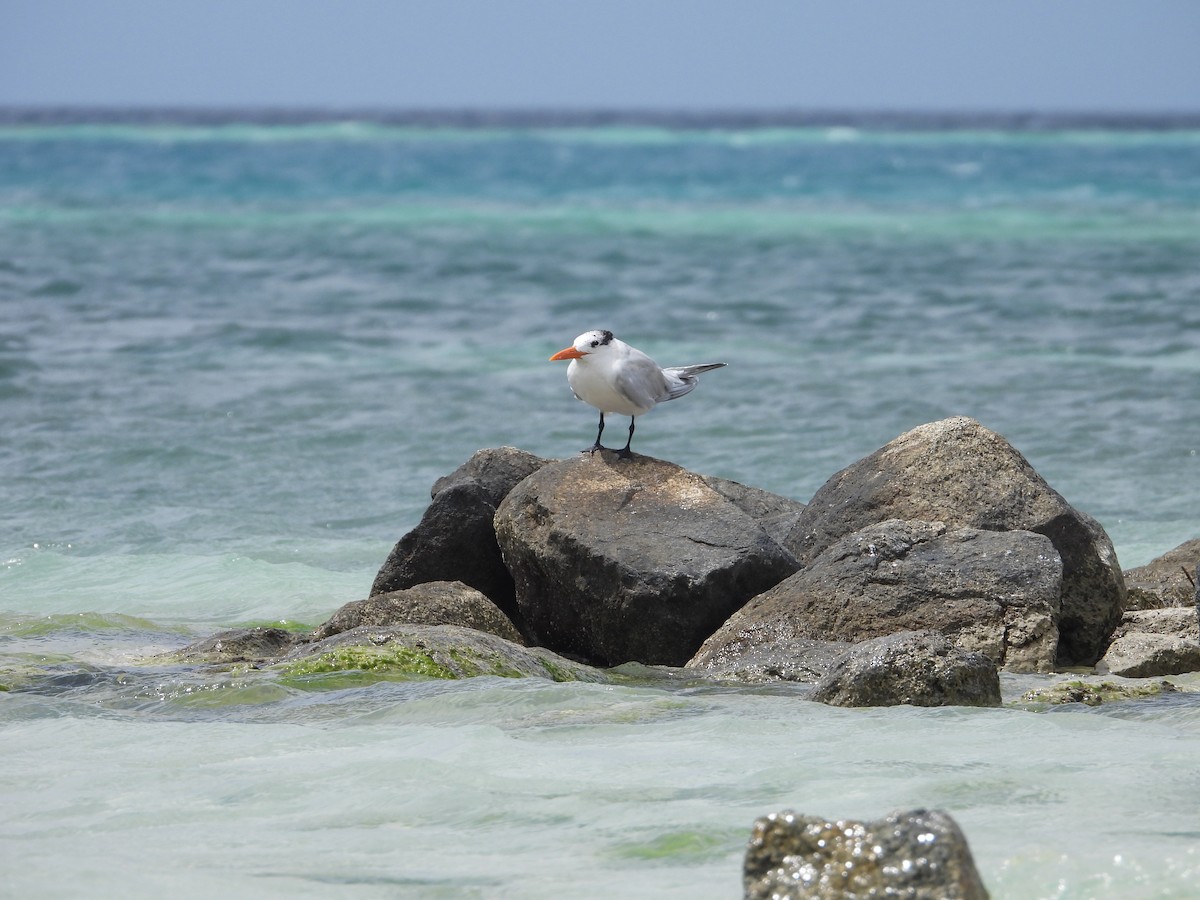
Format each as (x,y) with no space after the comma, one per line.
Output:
(630,560)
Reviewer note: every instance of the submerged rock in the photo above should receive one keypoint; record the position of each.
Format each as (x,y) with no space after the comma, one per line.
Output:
(918,668)
(758,657)
(918,854)
(454,540)
(432,603)
(1095,693)
(431,651)
(1168,580)
(997,593)
(958,472)
(620,560)
(238,645)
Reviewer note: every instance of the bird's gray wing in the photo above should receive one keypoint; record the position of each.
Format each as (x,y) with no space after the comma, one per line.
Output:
(681,379)
(641,382)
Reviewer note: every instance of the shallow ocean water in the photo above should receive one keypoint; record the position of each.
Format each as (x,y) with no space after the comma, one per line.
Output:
(234,358)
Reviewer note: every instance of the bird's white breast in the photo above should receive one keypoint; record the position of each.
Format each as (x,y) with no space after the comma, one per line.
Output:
(597,386)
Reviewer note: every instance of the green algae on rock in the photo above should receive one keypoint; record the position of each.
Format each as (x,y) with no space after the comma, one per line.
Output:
(430,651)
(1095,693)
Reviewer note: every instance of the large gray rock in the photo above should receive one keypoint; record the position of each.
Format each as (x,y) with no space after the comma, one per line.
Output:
(1153,642)
(958,472)
(454,540)
(918,855)
(630,560)
(917,668)
(1165,581)
(997,593)
(432,603)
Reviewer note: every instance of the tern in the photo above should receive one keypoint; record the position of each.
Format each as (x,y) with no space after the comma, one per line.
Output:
(615,378)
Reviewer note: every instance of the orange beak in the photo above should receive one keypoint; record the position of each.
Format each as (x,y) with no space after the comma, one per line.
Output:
(569,353)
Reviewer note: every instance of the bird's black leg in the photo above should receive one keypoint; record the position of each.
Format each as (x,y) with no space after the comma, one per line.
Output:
(596,446)
(625,452)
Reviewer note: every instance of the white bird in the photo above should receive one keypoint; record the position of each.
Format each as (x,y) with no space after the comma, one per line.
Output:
(615,378)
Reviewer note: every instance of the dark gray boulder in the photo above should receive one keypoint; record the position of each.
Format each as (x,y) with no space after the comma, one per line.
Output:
(917,854)
(630,560)
(454,540)
(1165,581)
(996,593)
(958,472)
(432,603)
(917,668)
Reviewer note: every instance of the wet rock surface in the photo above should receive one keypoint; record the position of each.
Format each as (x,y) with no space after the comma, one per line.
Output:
(916,668)
(918,854)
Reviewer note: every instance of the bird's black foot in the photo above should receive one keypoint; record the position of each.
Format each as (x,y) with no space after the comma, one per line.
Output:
(592,449)
(624,453)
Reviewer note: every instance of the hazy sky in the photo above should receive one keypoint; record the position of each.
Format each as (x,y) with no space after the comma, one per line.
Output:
(1014,55)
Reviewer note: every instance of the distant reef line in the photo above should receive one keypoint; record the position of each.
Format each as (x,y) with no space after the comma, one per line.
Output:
(681,119)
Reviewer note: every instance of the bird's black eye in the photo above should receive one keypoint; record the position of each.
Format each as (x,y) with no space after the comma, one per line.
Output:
(595,343)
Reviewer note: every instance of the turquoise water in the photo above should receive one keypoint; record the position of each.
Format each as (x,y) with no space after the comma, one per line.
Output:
(234,358)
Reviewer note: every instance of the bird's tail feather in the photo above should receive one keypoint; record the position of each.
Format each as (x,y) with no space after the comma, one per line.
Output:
(681,379)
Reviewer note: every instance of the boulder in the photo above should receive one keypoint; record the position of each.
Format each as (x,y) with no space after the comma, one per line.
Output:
(432,603)
(1165,581)
(630,560)
(1153,642)
(454,540)
(917,668)
(958,472)
(918,854)
(429,651)
(996,593)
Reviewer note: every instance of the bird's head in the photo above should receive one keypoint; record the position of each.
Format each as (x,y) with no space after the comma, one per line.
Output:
(587,343)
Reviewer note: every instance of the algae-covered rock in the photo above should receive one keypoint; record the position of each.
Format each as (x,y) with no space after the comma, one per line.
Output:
(431,651)
(1095,693)
(919,854)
